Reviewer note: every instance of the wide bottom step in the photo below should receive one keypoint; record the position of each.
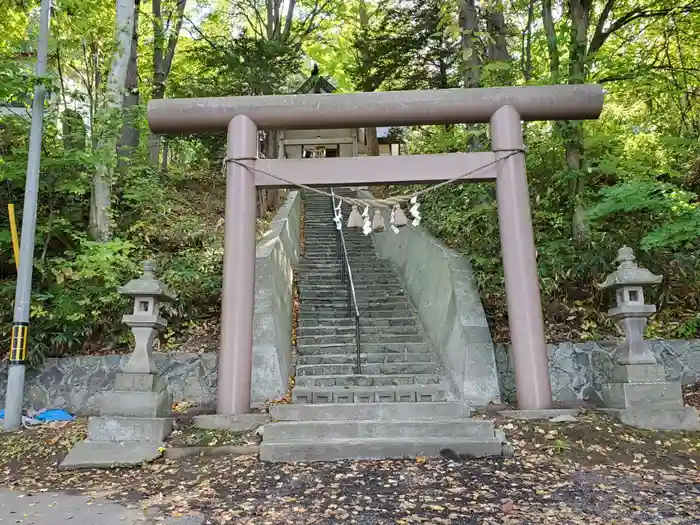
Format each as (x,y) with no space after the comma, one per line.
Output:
(375,448)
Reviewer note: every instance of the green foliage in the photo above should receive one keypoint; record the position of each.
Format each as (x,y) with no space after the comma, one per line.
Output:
(673,214)
(75,306)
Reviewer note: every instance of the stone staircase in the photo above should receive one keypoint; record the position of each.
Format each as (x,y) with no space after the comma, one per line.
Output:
(399,404)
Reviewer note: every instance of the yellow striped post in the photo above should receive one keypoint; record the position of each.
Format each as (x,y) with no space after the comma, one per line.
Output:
(18,344)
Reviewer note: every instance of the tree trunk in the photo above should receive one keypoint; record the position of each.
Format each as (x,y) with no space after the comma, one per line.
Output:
(372,142)
(371,132)
(164,158)
(94,104)
(99,226)
(129,141)
(552,43)
(573,137)
(498,48)
(470,59)
(74,132)
(496,26)
(162,61)
(527,43)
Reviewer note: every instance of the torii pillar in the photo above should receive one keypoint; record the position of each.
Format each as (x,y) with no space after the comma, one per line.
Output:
(504,108)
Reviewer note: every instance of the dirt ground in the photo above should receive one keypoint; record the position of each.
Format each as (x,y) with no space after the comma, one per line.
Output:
(592,471)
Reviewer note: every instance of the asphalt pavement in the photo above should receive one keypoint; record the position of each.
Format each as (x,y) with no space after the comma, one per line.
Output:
(53,508)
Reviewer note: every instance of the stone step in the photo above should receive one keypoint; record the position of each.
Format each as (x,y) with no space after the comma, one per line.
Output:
(331,312)
(350,330)
(349,359)
(373,429)
(136,429)
(365,301)
(367,308)
(320,249)
(358,273)
(317,235)
(109,454)
(324,248)
(359,262)
(333,279)
(330,268)
(376,448)
(350,321)
(340,311)
(370,411)
(335,282)
(370,348)
(368,369)
(360,293)
(324,241)
(356,254)
(351,380)
(350,234)
(333,269)
(364,338)
(371,394)
(323,288)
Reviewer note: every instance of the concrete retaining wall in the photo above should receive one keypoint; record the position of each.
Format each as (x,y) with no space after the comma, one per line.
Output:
(276,255)
(440,284)
(577,371)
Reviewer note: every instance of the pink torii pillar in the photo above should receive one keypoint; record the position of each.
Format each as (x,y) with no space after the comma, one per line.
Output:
(504,108)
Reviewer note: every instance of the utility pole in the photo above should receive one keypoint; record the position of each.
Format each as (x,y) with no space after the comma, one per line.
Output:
(20,324)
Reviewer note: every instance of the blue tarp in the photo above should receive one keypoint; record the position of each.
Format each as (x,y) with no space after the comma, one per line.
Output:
(55,414)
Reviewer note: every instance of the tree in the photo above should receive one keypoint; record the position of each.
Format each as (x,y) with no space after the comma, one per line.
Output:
(166,32)
(129,140)
(614,19)
(100,201)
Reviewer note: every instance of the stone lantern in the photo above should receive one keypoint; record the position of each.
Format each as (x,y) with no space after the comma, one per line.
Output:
(134,418)
(637,393)
(145,321)
(631,313)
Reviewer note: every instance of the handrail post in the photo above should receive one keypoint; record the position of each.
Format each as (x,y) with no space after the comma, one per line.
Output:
(358,369)
(352,299)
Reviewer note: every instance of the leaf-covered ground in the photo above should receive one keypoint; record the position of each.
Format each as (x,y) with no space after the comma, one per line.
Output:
(593,471)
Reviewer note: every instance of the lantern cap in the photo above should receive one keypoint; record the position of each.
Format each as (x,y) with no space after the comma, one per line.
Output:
(147,285)
(628,273)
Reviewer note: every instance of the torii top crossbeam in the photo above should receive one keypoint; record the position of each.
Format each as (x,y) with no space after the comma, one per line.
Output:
(390,108)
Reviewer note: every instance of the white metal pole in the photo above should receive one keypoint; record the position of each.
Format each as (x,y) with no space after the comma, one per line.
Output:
(20,325)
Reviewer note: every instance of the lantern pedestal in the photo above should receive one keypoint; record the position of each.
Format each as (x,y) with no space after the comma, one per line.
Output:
(638,393)
(135,418)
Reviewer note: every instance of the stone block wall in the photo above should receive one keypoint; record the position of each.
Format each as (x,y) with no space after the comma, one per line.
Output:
(76,384)
(577,371)
(440,283)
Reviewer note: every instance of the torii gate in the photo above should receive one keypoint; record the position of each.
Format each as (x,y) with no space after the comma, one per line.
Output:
(504,108)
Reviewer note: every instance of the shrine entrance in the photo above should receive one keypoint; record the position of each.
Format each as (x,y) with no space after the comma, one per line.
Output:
(503,108)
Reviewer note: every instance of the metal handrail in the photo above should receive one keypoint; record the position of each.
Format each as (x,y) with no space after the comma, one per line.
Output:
(347,271)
